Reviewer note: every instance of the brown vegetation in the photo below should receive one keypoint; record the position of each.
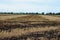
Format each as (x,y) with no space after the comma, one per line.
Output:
(25,27)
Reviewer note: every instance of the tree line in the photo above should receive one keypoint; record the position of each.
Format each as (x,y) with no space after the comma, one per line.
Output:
(42,13)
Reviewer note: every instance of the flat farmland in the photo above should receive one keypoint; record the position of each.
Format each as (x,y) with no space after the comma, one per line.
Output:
(27,27)
(6,16)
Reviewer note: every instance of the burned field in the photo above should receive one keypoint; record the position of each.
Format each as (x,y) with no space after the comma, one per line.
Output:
(29,27)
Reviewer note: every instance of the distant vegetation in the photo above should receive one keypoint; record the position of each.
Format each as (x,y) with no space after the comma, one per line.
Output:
(50,13)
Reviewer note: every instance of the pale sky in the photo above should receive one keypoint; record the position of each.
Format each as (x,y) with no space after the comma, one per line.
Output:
(29,5)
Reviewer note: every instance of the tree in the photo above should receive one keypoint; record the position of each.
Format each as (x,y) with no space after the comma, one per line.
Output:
(42,13)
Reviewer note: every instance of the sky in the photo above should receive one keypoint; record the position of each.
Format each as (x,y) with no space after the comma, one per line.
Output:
(29,5)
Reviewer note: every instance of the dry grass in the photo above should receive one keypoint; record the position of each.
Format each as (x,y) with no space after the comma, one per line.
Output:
(20,32)
(51,18)
(5,17)
(28,20)
(56,15)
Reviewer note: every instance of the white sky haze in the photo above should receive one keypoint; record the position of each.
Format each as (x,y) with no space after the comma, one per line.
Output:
(29,5)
